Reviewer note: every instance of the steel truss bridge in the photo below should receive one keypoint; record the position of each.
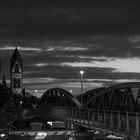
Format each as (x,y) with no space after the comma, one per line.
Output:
(114,109)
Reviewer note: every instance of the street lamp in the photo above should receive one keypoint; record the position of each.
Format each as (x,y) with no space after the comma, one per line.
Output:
(36,92)
(71,91)
(36,96)
(82,73)
(21,103)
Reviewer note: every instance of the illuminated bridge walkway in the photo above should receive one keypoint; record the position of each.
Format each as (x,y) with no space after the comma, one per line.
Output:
(114,109)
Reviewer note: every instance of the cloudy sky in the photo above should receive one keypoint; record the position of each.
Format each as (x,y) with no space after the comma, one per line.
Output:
(57,39)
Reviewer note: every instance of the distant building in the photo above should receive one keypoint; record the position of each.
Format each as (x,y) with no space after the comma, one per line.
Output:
(16,70)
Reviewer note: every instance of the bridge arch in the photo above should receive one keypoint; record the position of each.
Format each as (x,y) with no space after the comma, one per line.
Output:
(89,94)
(59,97)
(119,97)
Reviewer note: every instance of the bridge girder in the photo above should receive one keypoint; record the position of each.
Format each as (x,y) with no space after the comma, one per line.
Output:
(117,98)
(89,94)
(59,97)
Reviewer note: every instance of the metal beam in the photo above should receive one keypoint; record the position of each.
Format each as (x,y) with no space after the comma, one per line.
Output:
(115,87)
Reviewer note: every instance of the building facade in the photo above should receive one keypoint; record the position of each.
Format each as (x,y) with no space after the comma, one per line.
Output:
(16,71)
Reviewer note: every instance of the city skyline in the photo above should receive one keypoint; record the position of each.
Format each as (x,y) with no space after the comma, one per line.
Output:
(58,39)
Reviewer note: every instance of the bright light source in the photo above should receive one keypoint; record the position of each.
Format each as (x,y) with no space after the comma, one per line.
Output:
(81,72)
(36,91)
(21,102)
(50,123)
(70,90)
(41,135)
(115,137)
(2,135)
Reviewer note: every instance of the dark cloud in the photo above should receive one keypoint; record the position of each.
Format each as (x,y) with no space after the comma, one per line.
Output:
(56,32)
(62,19)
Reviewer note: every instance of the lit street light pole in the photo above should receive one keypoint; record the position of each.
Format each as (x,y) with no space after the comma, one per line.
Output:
(21,103)
(36,96)
(36,92)
(82,73)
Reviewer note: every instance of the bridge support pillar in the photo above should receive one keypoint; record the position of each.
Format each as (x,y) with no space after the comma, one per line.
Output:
(82,134)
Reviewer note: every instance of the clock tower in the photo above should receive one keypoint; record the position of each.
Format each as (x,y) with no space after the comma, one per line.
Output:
(16,70)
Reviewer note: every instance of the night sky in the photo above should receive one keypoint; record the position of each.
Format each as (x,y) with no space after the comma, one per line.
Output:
(57,39)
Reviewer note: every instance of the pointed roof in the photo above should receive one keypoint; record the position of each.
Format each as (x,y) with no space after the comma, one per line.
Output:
(16,57)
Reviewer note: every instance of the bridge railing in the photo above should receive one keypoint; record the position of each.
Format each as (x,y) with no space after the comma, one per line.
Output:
(127,122)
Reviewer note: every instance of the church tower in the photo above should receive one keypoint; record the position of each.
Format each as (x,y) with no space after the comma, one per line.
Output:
(16,70)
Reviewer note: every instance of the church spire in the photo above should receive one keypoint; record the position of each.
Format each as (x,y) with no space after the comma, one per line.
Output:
(16,57)
(16,70)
